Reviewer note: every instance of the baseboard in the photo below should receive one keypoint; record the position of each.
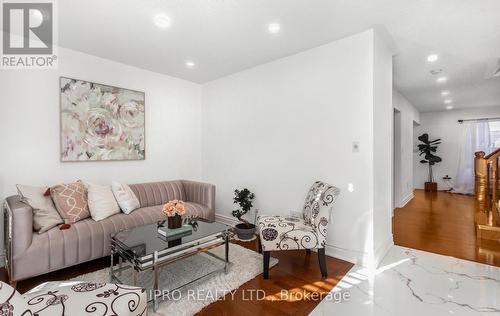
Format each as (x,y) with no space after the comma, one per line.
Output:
(359,257)
(382,250)
(352,256)
(405,200)
(224,219)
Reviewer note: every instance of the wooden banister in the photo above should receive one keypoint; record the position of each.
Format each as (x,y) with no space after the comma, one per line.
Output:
(486,178)
(487,217)
(481,172)
(491,156)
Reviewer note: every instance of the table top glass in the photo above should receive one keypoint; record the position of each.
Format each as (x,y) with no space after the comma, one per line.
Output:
(145,240)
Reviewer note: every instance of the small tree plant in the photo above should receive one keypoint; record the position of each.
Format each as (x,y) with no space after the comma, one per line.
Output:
(427,148)
(244,199)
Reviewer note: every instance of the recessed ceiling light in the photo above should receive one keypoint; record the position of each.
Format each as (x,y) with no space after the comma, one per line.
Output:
(162,20)
(447,101)
(445,93)
(432,58)
(449,107)
(190,64)
(441,79)
(274,28)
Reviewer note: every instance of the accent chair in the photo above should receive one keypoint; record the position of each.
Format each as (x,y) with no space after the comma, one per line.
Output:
(292,233)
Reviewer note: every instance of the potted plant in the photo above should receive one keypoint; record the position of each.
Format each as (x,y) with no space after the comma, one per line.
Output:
(428,148)
(243,198)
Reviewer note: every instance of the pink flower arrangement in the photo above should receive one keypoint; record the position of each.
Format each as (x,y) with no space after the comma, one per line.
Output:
(174,207)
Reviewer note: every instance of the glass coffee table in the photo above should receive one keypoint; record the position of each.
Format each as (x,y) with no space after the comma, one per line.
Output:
(144,249)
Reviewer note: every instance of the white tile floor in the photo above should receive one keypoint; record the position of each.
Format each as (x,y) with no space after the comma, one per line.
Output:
(412,282)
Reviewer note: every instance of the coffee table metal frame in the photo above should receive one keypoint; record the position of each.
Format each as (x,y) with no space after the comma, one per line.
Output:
(159,258)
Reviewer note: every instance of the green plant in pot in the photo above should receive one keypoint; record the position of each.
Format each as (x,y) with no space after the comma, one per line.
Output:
(428,148)
(243,198)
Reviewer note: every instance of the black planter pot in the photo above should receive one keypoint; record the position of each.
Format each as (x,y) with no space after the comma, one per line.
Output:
(175,221)
(245,231)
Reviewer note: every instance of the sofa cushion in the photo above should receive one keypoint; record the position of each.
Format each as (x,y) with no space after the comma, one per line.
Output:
(195,209)
(83,241)
(45,215)
(102,203)
(87,239)
(158,193)
(126,198)
(71,201)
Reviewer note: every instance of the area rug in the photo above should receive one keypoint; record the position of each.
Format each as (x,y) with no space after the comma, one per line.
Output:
(246,264)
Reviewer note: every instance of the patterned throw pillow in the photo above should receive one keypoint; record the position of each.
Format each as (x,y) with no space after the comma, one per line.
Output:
(71,201)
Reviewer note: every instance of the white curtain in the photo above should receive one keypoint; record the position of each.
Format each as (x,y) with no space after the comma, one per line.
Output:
(476,138)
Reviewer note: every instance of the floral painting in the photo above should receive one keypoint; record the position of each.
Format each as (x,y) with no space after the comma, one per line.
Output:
(100,122)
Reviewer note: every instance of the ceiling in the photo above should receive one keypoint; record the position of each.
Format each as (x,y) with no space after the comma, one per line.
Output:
(226,36)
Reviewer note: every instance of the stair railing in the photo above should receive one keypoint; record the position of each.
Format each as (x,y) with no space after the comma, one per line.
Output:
(486,179)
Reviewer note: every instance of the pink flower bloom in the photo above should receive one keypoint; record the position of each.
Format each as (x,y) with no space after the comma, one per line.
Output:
(174,207)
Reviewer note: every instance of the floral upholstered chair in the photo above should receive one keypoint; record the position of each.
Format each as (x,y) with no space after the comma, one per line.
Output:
(308,232)
(75,299)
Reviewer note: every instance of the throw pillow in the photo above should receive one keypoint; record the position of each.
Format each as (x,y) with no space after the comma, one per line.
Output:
(125,197)
(102,203)
(45,215)
(70,201)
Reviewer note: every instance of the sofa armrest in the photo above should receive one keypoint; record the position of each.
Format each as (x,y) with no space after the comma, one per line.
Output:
(201,193)
(18,225)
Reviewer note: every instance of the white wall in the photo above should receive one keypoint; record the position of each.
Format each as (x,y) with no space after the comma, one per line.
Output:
(29,125)
(280,126)
(382,148)
(444,125)
(274,128)
(410,116)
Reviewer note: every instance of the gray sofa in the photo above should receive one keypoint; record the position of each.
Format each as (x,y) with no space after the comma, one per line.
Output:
(29,254)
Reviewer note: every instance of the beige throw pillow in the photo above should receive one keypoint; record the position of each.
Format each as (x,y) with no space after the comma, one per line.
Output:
(125,197)
(102,203)
(71,201)
(45,215)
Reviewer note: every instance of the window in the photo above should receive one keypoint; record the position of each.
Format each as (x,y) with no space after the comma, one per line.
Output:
(495,134)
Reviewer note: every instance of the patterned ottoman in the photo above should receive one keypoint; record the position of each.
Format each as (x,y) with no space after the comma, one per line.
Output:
(75,299)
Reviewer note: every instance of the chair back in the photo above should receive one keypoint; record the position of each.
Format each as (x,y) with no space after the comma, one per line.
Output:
(319,203)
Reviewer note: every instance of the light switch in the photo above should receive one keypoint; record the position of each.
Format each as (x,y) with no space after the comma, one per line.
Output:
(350,187)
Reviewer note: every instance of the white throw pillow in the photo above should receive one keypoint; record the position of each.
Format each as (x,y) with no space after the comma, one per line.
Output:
(102,203)
(45,215)
(125,197)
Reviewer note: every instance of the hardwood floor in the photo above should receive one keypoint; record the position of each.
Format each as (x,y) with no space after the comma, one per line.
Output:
(296,271)
(443,223)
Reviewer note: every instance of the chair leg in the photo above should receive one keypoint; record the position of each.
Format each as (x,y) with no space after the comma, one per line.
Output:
(260,244)
(267,257)
(322,261)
